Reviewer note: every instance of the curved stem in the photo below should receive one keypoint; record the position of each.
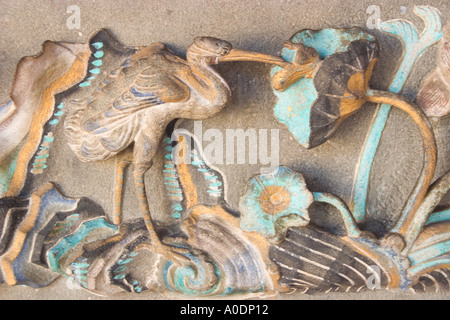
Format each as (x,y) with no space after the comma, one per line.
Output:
(438,216)
(405,226)
(349,222)
(424,214)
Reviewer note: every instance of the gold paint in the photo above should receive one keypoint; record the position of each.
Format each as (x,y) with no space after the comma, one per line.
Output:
(7,259)
(274,199)
(283,79)
(254,237)
(118,191)
(243,55)
(429,146)
(357,87)
(432,234)
(349,105)
(75,74)
(393,273)
(189,189)
(428,270)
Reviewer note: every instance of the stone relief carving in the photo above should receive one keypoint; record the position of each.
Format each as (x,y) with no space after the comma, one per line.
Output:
(103,100)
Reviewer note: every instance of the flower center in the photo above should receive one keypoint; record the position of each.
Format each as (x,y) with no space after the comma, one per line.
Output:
(274,199)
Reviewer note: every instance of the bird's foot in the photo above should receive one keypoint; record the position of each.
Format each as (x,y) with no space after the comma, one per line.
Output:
(177,255)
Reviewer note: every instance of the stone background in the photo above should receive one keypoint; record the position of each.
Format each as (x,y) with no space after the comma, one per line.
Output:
(253,25)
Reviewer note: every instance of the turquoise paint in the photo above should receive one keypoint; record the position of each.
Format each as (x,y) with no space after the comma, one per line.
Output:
(413,48)
(349,222)
(95,71)
(330,41)
(97,45)
(80,265)
(429,253)
(80,271)
(293,107)
(97,63)
(48,139)
(445,261)
(217,184)
(66,244)
(122,262)
(396,261)
(119,277)
(120,269)
(176,215)
(190,276)
(7,171)
(177,207)
(99,54)
(439,216)
(42,156)
(40,166)
(198,163)
(253,218)
(84,84)
(53,122)
(59,113)
(60,106)
(214,177)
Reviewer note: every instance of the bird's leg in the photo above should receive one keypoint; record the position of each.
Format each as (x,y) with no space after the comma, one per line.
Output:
(175,254)
(143,202)
(122,162)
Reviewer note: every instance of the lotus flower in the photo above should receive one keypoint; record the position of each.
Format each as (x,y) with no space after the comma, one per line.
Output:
(272,202)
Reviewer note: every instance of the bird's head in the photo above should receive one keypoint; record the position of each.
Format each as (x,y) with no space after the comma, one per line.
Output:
(214,50)
(209,48)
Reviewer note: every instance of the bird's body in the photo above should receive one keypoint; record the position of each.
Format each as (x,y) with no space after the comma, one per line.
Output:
(136,103)
(154,86)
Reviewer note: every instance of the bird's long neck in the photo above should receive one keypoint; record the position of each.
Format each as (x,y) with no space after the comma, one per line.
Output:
(211,88)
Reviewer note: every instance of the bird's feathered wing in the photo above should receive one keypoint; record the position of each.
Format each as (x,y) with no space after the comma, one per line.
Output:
(108,122)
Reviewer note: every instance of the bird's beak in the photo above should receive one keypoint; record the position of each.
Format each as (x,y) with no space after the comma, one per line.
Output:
(244,55)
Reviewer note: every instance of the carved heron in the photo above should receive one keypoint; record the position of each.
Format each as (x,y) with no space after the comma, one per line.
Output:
(152,88)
